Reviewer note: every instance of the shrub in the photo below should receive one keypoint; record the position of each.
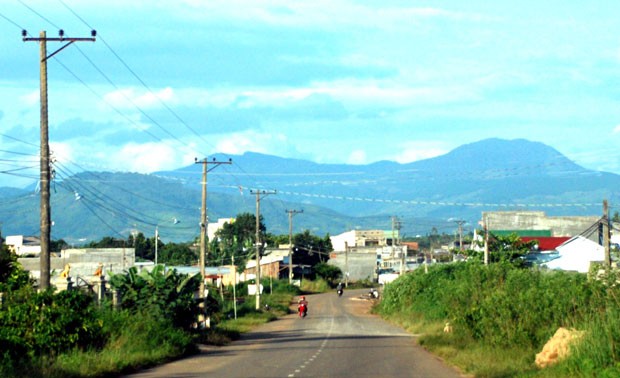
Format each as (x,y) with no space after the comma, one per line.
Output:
(498,304)
(167,294)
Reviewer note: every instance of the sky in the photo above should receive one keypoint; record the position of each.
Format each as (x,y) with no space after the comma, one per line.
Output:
(330,81)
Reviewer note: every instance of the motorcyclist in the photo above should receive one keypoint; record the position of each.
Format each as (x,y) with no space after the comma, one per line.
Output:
(304,302)
(340,288)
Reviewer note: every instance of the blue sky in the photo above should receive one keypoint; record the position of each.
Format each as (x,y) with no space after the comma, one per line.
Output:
(328,81)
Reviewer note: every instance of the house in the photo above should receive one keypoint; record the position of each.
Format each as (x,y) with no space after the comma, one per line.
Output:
(24,245)
(537,224)
(214,227)
(364,239)
(576,254)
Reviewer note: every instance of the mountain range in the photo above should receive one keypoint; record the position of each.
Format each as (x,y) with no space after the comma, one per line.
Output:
(489,175)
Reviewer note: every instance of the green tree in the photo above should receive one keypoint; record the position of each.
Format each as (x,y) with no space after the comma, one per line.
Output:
(161,292)
(310,249)
(236,238)
(176,254)
(328,272)
(12,274)
(508,248)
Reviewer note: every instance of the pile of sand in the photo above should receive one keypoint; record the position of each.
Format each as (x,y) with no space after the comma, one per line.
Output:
(557,347)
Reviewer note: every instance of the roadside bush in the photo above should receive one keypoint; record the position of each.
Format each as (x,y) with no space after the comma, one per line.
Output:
(12,275)
(498,304)
(166,294)
(47,323)
(329,273)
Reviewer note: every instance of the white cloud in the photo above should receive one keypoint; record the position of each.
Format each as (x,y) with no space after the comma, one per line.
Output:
(418,150)
(130,98)
(239,143)
(31,99)
(616,129)
(61,152)
(144,158)
(325,14)
(357,157)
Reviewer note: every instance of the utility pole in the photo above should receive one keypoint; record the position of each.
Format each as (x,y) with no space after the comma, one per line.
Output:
(460,223)
(260,194)
(291,213)
(606,233)
(45,221)
(204,220)
(156,242)
(346,264)
(486,240)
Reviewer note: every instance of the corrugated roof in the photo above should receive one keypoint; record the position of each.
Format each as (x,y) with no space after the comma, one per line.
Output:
(546,243)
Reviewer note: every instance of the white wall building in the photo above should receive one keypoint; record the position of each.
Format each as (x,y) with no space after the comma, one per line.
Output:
(577,254)
(23,245)
(212,228)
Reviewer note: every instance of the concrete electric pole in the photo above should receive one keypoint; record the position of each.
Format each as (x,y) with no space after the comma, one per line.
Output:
(260,194)
(45,221)
(291,213)
(606,238)
(204,220)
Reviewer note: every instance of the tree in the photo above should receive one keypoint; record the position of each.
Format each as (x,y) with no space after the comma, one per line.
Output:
(310,249)
(508,248)
(328,272)
(164,293)
(176,254)
(236,238)
(12,274)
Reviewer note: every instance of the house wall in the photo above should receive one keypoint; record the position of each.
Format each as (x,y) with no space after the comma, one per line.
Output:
(83,262)
(538,220)
(361,265)
(362,238)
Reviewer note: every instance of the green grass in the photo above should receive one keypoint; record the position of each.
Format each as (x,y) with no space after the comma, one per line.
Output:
(503,316)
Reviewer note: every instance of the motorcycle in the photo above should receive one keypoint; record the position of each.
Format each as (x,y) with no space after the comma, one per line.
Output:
(303,310)
(340,292)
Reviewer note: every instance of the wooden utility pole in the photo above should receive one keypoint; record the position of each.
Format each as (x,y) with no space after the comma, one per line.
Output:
(486,240)
(291,213)
(606,233)
(260,194)
(204,219)
(346,264)
(45,169)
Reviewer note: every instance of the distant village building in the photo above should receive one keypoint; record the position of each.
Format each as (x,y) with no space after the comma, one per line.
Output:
(212,228)
(86,264)
(364,238)
(536,223)
(24,245)
(567,242)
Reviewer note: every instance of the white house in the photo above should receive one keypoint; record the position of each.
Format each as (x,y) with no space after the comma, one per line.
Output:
(24,245)
(214,227)
(576,254)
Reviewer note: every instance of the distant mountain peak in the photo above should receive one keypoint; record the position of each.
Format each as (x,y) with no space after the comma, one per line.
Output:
(504,154)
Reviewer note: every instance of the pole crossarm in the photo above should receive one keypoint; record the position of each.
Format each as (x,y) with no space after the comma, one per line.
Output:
(62,38)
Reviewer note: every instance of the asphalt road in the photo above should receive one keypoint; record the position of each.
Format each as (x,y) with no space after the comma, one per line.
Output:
(338,338)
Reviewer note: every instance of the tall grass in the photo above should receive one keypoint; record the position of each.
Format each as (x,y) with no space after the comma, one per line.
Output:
(502,316)
(137,341)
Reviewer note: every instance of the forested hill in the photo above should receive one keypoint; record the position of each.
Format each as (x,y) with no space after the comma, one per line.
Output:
(492,174)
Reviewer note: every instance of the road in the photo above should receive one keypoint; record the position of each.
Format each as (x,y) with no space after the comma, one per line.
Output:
(338,338)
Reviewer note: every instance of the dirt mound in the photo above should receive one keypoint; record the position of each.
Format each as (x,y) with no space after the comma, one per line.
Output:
(558,347)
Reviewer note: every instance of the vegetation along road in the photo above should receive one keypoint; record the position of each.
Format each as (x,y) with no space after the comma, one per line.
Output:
(338,338)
